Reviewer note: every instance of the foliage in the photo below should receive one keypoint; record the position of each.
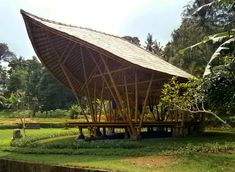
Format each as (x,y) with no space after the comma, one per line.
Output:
(219,89)
(184,95)
(153,46)
(17,80)
(187,97)
(9,126)
(31,139)
(212,141)
(200,19)
(133,40)
(57,113)
(211,152)
(52,95)
(2,100)
(74,111)
(5,53)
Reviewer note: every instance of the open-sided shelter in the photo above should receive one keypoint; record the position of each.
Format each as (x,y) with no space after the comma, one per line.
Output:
(101,66)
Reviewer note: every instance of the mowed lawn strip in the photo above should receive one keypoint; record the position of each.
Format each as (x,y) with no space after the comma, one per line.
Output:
(212,152)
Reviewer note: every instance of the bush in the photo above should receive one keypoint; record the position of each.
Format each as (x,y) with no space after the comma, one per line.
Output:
(52,125)
(30,140)
(9,126)
(58,113)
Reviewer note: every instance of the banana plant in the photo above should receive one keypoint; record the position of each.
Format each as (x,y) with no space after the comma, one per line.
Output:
(226,40)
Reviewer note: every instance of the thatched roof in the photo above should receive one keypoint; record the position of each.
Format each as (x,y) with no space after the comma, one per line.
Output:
(66,50)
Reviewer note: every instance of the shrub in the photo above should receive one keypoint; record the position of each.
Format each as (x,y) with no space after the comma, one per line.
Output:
(58,113)
(9,126)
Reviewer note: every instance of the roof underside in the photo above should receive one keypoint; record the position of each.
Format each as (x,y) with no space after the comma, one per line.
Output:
(95,63)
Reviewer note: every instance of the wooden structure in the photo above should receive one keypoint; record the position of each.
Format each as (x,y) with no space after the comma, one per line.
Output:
(102,66)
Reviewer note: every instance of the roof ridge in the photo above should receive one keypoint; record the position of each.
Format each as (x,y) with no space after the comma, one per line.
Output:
(64,24)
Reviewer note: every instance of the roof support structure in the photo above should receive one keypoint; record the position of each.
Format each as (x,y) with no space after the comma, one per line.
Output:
(136,96)
(87,89)
(73,89)
(145,101)
(118,96)
(102,66)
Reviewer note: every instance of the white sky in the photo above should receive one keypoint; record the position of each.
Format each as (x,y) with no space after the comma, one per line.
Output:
(118,17)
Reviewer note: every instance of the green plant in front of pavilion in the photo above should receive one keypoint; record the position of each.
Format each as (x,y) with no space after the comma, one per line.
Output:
(186,97)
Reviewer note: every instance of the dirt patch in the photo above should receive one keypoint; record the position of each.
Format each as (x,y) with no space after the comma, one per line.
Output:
(154,160)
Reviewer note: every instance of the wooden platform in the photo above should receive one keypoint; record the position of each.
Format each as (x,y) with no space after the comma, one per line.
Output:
(173,127)
(120,124)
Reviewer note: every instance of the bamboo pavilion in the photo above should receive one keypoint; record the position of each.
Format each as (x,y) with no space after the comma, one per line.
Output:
(101,66)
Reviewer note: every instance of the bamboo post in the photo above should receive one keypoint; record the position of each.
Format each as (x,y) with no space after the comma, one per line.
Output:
(117,93)
(145,101)
(102,101)
(104,79)
(72,87)
(95,105)
(127,98)
(87,89)
(136,96)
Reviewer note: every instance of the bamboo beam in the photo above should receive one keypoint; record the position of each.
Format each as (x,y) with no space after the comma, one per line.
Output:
(145,101)
(68,54)
(104,79)
(87,89)
(141,82)
(95,109)
(66,75)
(73,89)
(117,93)
(90,77)
(136,96)
(127,98)
(112,71)
(102,101)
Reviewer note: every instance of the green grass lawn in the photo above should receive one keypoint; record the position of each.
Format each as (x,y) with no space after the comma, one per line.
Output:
(212,152)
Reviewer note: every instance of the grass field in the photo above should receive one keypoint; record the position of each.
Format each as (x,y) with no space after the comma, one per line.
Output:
(214,151)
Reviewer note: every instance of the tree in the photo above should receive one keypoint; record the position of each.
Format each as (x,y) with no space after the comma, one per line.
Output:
(2,100)
(149,42)
(217,89)
(17,102)
(133,40)
(5,53)
(186,97)
(52,95)
(200,19)
(17,80)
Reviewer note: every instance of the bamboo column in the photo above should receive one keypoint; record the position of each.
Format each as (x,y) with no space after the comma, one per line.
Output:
(127,98)
(102,101)
(136,96)
(145,102)
(87,89)
(73,89)
(104,78)
(118,95)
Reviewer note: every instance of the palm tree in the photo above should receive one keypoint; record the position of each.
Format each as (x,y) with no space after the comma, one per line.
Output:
(149,42)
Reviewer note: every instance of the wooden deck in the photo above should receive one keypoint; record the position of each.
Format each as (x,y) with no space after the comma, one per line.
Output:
(120,124)
(173,127)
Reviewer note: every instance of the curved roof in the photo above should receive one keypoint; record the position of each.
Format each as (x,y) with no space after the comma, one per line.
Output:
(80,54)
(115,45)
